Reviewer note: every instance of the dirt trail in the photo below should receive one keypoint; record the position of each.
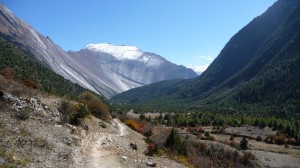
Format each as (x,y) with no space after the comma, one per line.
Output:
(98,149)
(109,147)
(122,128)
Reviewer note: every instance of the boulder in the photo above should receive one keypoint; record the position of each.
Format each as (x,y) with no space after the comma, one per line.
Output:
(34,102)
(133,146)
(1,94)
(102,124)
(151,164)
(2,160)
(124,158)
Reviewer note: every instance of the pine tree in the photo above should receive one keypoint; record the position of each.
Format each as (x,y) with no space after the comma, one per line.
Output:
(175,143)
(244,144)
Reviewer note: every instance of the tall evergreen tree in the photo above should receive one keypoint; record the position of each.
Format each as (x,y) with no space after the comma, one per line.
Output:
(175,143)
(244,144)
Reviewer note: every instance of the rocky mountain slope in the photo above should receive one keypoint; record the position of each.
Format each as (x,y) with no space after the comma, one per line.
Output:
(115,69)
(104,69)
(257,66)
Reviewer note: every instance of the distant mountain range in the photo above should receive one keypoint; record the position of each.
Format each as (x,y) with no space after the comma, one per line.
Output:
(103,68)
(258,67)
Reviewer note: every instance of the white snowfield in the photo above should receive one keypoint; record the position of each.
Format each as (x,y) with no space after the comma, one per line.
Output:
(120,52)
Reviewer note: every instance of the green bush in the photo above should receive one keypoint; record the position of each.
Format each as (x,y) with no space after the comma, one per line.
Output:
(81,111)
(72,113)
(95,105)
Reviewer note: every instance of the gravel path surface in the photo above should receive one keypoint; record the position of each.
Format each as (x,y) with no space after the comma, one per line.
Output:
(109,148)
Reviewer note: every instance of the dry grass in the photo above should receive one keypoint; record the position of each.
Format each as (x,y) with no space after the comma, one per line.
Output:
(16,88)
(12,161)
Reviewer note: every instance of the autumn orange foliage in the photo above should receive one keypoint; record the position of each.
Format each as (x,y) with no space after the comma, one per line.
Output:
(95,105)
(135,126)
(7,73)
(30,83)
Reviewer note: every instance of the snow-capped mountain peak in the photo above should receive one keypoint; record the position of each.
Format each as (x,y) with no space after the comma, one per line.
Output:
(120,52)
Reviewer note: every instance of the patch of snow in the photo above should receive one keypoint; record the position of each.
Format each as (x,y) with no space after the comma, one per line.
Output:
(198,69)
(144,59)
(118,51)
(151,60)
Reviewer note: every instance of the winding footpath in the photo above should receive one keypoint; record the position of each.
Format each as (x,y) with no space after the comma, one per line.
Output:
(110,148)
(122,128)
(99,150)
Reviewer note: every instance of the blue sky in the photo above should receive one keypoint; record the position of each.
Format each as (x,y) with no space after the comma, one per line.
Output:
(189,32)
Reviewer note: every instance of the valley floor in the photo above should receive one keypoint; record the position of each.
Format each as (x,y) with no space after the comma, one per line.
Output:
(269,155)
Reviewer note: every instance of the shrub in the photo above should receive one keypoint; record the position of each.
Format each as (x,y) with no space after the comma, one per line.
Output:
(7,73)
(135,126)
(22,114)
(81,111)
(132,124)
(247,157)
(192,129)
(140,129)
(286,146)
(73,113)
(66,109)
(211,138)
(290,140)
(151,149)
(95,105)
(30,83)
(201,130)
(279,139)
(159,135)
(147,128)
(258,138)
(234,144)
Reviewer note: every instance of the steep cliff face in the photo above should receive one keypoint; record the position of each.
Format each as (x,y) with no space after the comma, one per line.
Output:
(103,68)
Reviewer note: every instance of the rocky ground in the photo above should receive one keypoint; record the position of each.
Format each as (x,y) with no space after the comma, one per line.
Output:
(110,147)
(32,134)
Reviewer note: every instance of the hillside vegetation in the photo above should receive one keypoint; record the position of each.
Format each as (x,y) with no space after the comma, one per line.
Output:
(15,63)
